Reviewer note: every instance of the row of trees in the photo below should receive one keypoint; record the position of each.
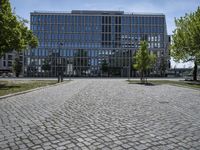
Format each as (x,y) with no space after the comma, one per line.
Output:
(14,34)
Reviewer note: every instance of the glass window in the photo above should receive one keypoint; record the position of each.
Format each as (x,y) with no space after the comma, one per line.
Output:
(128,20)
(72,19)
(43,52)
(158,45)
(158,37)
(147,20)
(150,20)
(71,52)
(87,21)
(45,19)
(52,18)
(161,20)
(82,19)
(139,20)
(154,20)
(78,20)
(35,52)
(32,18)
(41,18)
(136,20)
(62,18)
(132,20)
(158,53)
(99,20)
(56,18)
(68,19)
(75,19)
(142,20)
(59,19)
(149,45)
(161,29)
(152,38)
(38,18)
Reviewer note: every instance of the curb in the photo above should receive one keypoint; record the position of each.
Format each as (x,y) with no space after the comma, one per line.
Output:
(28,91)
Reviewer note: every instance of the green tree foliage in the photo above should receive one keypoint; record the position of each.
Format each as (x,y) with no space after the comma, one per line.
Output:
(162,66)
(14,35)
(104,66)
(17,67)
(186,43)
(46,65)
(143,60)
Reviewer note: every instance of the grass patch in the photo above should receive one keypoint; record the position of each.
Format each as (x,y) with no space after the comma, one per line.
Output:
(9,87)
(189,84)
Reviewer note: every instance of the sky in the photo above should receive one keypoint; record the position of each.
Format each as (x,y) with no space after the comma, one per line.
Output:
(171,8)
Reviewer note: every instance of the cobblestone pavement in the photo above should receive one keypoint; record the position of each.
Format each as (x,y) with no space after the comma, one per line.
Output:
(102,114)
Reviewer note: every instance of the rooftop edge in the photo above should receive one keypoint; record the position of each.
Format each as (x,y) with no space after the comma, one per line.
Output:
(90,12)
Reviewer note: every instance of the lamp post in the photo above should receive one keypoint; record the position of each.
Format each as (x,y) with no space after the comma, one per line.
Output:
(129,63)
(59,62)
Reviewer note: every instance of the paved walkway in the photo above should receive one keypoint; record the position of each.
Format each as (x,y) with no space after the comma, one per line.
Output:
(102,114)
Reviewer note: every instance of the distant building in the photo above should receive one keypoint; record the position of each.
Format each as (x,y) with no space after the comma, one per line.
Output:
(6,63)
(179,72)
(77,43)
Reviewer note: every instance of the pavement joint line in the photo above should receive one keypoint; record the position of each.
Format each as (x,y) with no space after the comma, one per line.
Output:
(31,90)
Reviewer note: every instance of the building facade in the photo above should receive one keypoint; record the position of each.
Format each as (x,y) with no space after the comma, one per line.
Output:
(6,63)
(93,43)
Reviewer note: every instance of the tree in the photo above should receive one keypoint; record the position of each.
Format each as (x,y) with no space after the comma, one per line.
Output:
(46,65)
(104,66)
(185,43)
(162,66)
(143,60)
(17,66)
(14,34)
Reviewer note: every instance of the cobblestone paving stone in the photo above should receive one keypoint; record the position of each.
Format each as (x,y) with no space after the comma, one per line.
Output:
(102,114)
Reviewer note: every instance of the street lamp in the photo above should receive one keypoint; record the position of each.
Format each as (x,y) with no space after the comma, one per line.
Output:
(59,62)
(129,64)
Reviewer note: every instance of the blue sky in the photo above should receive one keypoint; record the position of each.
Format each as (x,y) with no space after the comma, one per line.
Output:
(171,8)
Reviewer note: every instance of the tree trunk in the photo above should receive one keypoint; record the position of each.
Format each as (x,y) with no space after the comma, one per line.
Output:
(17,75)
(195,71)
(141,76)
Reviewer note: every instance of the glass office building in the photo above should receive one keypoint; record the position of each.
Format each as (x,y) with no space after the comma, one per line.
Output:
(82,43)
